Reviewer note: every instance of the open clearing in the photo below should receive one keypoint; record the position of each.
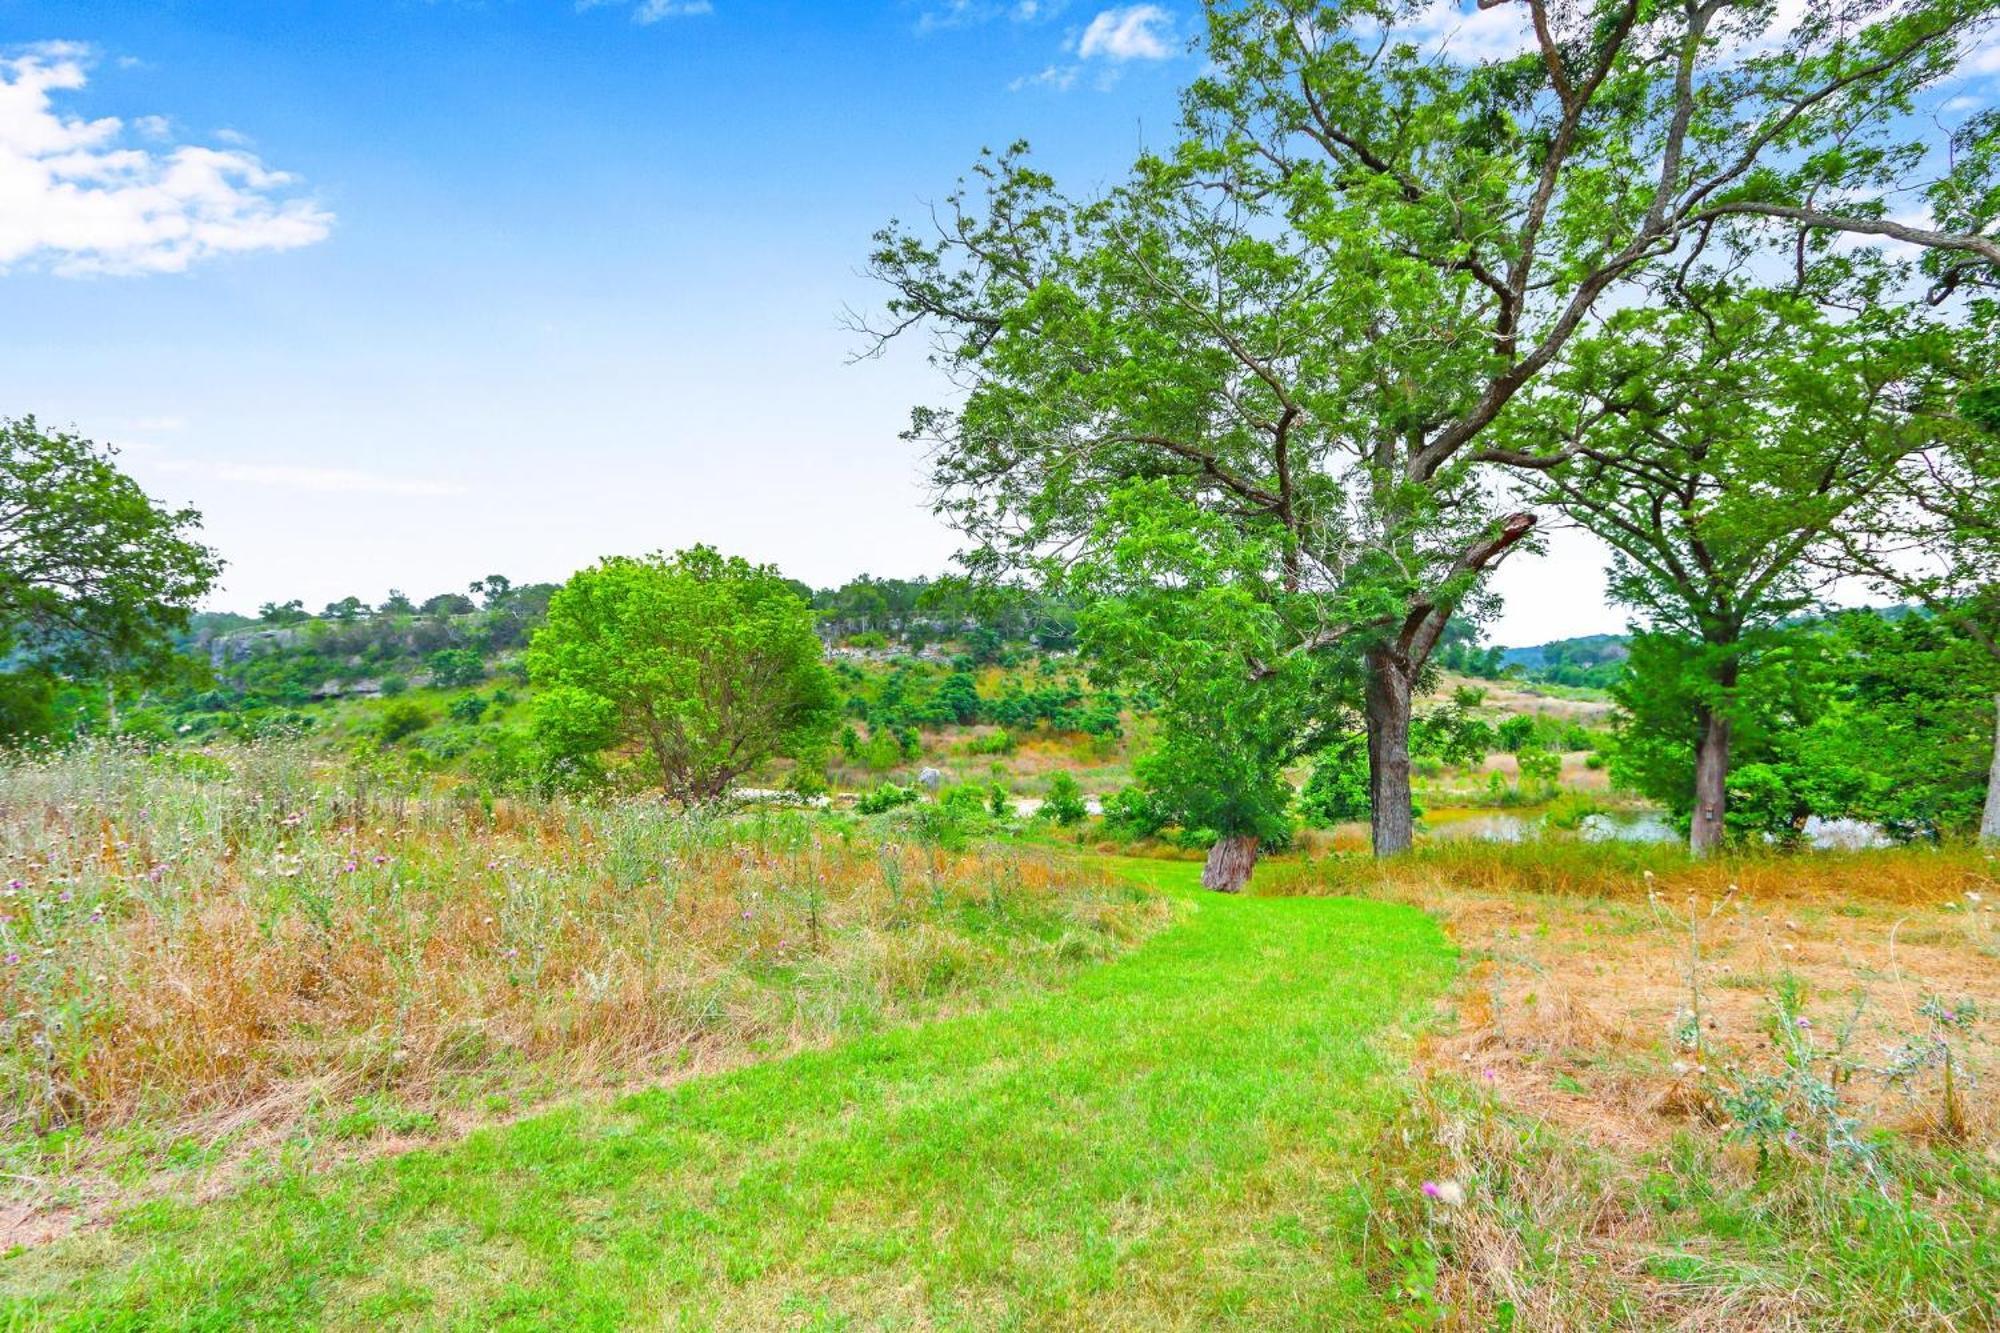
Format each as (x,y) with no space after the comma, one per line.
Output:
(1169,1141)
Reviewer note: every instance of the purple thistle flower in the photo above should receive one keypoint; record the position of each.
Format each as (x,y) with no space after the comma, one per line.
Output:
(13,958)
(1431,1189)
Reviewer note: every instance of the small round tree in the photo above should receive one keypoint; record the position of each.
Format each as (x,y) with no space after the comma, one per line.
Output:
(704,664)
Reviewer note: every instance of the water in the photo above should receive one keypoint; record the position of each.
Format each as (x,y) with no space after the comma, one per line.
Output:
(1649,826)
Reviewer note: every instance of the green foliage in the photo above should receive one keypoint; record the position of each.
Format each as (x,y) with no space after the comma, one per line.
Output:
(393,685)
(454,667)
(882,751)
(468,708)
(1862,716)
(95,575)
(1540,767)
(401,719)
(885,797)
(709,664)
(1337,791)
(1064,802)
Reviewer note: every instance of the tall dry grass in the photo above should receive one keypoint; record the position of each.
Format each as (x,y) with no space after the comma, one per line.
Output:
(1914,876)
(198,933)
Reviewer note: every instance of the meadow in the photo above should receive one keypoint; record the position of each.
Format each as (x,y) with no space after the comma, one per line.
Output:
(294,1043)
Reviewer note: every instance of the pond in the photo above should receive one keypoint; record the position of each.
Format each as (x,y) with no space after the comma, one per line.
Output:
(1454,825)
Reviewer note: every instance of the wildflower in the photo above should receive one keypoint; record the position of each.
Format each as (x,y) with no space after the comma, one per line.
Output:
(15,886)
(13,958)
(1802,1021)
(65,896)
(1447,1192)
(381,860)
(350,868)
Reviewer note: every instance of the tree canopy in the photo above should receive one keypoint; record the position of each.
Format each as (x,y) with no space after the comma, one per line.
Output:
(706,664)
(93,572)
(1305,315)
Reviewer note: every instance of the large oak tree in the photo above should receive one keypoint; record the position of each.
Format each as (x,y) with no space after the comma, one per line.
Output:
(1306,315)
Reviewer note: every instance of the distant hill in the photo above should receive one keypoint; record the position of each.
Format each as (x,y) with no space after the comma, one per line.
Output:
(1590,648)
(1594,660)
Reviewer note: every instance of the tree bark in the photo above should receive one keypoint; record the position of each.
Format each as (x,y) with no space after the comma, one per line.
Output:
(1230,862)
(1391,820)
(1711,783)
(1711,766)
(1989,820)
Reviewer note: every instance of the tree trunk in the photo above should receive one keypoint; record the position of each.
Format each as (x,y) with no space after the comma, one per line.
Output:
(1711,783)
(1230,862)
(1711,766)
(1390,817)
(1989,822)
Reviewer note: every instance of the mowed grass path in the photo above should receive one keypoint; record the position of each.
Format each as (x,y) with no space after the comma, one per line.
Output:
(1166,1142)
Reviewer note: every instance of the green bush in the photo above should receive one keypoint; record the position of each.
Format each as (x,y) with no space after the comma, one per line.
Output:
(1064,803)
(403,718)
(885,797)
(1539,766)
(1337,791)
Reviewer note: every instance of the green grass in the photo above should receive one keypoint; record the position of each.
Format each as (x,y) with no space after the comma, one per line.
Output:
(1168,1141)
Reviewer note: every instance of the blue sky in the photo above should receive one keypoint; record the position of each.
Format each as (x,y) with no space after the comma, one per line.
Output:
(407,292)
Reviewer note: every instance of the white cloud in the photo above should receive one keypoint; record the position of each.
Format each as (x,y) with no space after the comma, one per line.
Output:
(77,197)
(1059,77)
(1470,33)
(966,13)
(653,11)
(1136,32)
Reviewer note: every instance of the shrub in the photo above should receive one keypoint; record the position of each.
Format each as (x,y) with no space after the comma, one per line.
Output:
(1064,803)
(466,708)
(884,798)
(1337,791)
(1133,813)
(403,718)
(996,742)
(393,686)
(1540,766)
(452,667)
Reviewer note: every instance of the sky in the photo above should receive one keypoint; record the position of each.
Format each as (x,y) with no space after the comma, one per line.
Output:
(407,292)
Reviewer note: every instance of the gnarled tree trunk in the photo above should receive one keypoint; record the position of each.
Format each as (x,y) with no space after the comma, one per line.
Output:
(1230,862)
(1391,819)
(1989,820)
(1711,764)
(1711,783)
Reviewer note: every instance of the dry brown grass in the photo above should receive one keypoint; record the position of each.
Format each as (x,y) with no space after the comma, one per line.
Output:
(214,947)
(1563,1082)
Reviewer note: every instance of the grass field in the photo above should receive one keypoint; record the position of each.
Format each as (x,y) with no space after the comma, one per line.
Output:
(1169,1141)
